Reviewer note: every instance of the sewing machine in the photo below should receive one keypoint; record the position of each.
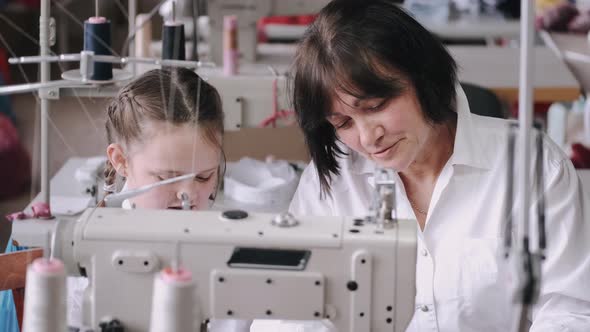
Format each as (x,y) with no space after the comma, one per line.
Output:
(359,273)
(356,273)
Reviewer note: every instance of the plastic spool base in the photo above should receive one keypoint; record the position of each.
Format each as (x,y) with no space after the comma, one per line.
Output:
(118,76)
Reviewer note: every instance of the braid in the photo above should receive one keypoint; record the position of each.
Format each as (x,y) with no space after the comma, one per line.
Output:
(110,175)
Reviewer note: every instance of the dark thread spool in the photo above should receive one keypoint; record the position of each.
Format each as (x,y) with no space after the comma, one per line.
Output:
(173,42)
(97,38)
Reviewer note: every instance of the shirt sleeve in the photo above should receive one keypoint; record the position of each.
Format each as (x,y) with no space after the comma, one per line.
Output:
(307,200)
(564,299)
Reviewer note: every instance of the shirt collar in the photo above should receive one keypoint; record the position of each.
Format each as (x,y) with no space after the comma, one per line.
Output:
(468,149)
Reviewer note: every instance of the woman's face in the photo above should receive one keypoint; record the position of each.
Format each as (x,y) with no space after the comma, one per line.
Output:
(391,132)
(173,151)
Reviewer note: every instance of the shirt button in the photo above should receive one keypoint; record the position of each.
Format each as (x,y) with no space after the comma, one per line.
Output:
(424,308)
(424,252)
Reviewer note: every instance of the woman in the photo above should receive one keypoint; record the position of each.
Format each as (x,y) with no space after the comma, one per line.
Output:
(373,88)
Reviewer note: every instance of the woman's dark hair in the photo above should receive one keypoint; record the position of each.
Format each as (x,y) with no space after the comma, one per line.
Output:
(176,96)
(367,49)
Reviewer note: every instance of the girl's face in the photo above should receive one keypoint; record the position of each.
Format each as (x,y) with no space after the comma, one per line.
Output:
(391,132)
(172,151)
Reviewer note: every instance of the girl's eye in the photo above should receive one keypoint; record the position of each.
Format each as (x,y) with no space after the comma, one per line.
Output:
(203,178)
(163,176)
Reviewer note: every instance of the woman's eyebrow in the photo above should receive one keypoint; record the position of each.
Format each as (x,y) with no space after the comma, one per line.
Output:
(365,100)
(356,103)
(333,114)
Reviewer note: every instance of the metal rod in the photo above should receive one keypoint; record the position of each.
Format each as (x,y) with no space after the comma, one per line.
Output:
(195,51)
(132,10)
(520,323)
(45,76)
(71,57)
(509,189)
(30,87)
(96,8)
(176,261)
(111,59)
(115,200)
(540,194)
(173,11)
(47,249)
(525,109)
(172,63)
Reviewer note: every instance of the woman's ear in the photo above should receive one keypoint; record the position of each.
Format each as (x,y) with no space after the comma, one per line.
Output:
(117,158)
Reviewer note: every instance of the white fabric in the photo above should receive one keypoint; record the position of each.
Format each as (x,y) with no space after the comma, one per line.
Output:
(258,182)
(461,277)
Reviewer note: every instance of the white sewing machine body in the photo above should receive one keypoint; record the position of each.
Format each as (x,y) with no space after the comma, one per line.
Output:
(362,280)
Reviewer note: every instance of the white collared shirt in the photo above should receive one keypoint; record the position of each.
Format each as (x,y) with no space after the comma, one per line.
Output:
(461,277)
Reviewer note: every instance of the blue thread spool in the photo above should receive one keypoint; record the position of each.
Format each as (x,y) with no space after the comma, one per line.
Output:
(97,38)
(173,41)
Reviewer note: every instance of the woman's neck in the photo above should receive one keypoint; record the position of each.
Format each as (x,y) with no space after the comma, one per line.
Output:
(434,155)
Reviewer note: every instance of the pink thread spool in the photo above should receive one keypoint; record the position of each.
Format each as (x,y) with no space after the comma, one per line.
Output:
(173,302)
(45,296)
(230,45)
(97,19)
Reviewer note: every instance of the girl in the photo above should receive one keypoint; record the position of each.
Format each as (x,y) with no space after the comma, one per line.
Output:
(166,123)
